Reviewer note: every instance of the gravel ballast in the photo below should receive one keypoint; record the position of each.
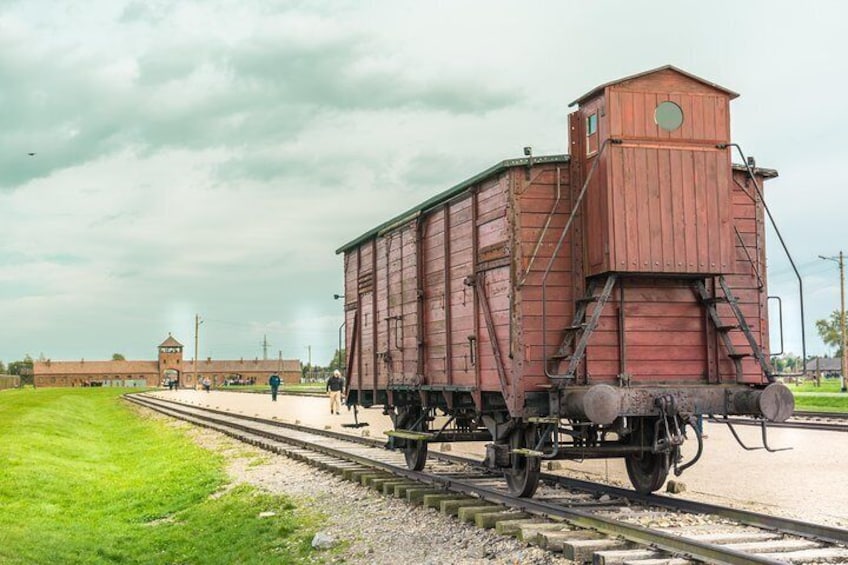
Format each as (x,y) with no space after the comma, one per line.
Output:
(372,528)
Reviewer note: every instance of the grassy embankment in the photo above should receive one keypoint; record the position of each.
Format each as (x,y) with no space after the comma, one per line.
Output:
(85,479)
(824,398)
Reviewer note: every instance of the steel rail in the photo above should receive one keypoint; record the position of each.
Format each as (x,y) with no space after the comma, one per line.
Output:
(798,528)
(813,414)
(668,542)
(798,425)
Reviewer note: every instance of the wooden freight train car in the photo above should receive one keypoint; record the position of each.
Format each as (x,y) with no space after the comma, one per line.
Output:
(589,305)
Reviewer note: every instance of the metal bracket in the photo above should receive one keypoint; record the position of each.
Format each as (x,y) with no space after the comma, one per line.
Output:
(763,426)
(735,435)
(678,470)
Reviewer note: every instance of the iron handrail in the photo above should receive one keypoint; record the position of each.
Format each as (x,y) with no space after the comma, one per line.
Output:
(544,231)
(782,243)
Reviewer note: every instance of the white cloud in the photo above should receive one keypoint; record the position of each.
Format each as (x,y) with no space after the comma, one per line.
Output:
(209,157)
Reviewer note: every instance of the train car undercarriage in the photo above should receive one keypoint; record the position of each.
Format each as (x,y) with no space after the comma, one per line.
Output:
(646,426)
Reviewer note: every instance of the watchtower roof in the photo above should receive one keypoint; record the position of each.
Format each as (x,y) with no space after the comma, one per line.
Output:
(600,88)
(170,342)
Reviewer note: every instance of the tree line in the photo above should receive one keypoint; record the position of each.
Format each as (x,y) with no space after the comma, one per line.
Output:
(337,362)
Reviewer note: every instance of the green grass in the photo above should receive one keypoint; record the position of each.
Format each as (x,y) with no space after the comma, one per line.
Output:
(824,398)
(306,386)
(84,479)
(812,402)
(827,385)
(300,388)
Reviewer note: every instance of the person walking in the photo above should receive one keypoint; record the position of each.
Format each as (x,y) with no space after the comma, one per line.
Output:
(274,381)
(335,384)
(207,384)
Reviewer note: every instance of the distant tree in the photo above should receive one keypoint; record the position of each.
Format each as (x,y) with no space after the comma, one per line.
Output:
(16,366)
(338,360)
(118,357)
(41,357)
(830,330)
(2,367)
(786,363)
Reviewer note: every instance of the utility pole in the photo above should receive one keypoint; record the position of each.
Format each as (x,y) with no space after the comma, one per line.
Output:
(264,347)
(341,362)
(844,359)
(280,364)
(197,323)
(842,318)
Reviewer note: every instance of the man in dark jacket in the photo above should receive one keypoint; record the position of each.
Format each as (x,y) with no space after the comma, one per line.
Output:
(274,381)
(335,384)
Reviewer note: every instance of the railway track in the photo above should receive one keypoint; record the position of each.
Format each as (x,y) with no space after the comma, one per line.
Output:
(585,521)
(821,421)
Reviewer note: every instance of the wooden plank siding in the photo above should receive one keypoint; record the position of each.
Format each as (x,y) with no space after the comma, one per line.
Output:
(670,212)
(664,333)
(433,256)
(664,329)
(494,241)
(351,305)
(747,279)
(547,200)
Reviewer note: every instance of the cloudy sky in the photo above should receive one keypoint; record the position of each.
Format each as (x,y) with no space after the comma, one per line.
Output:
(209,156)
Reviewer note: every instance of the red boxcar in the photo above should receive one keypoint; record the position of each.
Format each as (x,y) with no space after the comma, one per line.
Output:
(575,306)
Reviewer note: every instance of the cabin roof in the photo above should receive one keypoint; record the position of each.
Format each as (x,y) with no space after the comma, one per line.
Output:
(600,88)
(170,342)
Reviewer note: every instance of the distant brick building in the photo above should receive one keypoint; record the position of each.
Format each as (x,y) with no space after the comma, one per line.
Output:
(169,366)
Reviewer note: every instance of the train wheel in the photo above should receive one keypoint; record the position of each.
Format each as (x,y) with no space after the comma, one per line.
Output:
(647,470)
(522,476)
(414,451)
(416,454)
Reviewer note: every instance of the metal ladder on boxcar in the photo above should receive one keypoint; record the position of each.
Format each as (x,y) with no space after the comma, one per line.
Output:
(723,329)
(579,325)
(580,329)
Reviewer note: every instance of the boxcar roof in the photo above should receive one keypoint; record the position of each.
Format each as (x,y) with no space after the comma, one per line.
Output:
(464,185)
(597,89)
(763,172)
(450,193)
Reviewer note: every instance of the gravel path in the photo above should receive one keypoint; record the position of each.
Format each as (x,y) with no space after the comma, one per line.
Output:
(378,529)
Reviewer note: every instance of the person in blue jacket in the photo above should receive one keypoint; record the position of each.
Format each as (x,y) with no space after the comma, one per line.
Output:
(274,381)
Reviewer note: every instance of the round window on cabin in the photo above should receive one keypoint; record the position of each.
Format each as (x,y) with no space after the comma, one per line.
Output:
(668,116)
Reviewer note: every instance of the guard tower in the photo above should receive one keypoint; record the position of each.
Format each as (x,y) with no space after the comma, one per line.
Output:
(170,359)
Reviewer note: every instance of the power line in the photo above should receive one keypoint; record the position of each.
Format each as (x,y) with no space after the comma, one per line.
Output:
(278,330)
